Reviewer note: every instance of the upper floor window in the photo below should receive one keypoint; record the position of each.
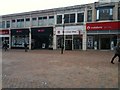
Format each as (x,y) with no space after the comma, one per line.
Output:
(18,20)
(51,17)
(59,19)
(0,24)
(105,13)
(8,24)
(3,24)
(72,18)
(45,17)
(34,19)
(27,19)
(13,21)
(22,20)
(66,18)
(80,17)
(40,18)
(119,13)
(69,18)
(89,15)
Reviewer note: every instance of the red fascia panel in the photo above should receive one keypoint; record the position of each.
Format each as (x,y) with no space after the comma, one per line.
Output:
(103,26)
(4,32)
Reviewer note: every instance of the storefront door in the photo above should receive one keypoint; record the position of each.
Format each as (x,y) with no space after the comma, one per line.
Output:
(68,44)
(42,38)
(40,42)
(105,43)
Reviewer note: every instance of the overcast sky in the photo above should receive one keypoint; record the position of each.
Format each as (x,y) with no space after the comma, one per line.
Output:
(18,6)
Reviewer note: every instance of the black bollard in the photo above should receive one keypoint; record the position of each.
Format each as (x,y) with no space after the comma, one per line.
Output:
(62,48)
(25,46)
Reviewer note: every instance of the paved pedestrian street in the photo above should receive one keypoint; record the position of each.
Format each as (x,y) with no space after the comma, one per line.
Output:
(50,69)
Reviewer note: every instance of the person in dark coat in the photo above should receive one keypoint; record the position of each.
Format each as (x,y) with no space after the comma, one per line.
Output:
(117,53)
(25,46)
(5,46)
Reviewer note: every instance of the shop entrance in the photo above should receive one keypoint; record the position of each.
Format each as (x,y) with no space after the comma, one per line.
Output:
(68,44)
(105,43)
(40,42)
(77,42)
(42,38)
(71,42)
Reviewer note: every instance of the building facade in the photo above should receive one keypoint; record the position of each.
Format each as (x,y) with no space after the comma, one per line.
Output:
(104,32)
(108,1)
(81,27)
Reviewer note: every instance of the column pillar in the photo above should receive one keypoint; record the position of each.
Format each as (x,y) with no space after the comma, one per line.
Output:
(30,38)
(72,42)
(84,40)
(75,17)
(54,39)
(84,36)
(93,13)
(10,36)
(115,12)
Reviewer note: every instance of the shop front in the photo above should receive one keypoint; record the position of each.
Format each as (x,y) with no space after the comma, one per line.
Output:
(4,37)
(19,37)
(72,36)
(42,38)
(102,35)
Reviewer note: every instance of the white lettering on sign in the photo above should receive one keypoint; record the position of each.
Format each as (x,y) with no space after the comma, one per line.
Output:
(68,32)
(97,27)
(94,27)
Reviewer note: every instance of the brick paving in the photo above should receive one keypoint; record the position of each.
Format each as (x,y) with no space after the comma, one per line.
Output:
(50,69)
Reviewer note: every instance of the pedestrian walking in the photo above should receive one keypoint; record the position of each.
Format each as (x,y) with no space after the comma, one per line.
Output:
(25,46)
(117,53)
(5,46)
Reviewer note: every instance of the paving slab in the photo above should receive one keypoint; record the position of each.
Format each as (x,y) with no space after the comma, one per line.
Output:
(51,69)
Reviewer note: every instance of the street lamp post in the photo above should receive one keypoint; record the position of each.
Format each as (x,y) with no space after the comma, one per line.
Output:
(62,46)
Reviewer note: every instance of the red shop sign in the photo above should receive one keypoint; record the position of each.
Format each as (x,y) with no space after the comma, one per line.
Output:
(4,32)
(103,26)
(41,30)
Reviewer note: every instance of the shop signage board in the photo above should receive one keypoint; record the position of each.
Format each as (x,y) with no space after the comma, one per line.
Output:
(70,30)
(67,32)
(4,32)
(103,26)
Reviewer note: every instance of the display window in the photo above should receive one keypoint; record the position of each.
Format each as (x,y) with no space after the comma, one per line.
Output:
(77,42)
(18,41)
(70,42)
(90,42)
(19,37)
